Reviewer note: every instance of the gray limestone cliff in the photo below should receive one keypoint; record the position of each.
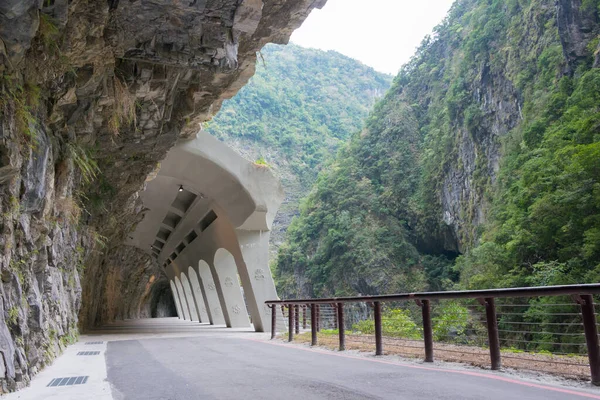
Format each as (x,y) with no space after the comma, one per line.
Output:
(498,102)
(438,176)
(93,95)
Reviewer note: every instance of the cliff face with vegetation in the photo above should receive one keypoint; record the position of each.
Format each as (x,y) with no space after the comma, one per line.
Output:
(480,167)
(92,96)
(294,114)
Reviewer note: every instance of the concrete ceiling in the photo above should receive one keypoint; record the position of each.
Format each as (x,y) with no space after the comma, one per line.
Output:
(213,176)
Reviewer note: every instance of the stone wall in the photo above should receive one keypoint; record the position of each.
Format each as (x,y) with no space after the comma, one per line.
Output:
(92,96)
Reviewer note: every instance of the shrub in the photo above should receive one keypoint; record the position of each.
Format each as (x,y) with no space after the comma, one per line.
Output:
(262,162)
(13,315)
(394,323)
(451,322)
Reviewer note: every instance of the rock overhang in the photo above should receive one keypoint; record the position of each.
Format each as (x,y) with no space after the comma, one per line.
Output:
(76,59)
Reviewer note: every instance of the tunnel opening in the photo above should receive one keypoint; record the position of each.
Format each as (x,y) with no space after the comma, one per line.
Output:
(162,304)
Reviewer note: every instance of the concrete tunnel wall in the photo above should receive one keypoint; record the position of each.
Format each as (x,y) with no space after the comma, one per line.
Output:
(229,253)
(214,210)
(198,294)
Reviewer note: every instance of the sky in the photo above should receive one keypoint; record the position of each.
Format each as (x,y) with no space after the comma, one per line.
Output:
(383,34)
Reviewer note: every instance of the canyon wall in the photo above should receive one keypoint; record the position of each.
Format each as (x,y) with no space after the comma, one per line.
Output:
(478,169)
(93,95)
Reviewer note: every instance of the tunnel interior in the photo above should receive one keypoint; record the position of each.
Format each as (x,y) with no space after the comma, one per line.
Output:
(162,303)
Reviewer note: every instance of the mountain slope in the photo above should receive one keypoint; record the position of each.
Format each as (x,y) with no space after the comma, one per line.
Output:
(295,112)
(486,148)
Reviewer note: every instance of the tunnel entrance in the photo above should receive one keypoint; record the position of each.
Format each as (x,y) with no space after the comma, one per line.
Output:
(162,304)
(210,233)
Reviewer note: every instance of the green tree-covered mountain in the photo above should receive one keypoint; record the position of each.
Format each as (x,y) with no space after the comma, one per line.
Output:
(299,107)
(479,168)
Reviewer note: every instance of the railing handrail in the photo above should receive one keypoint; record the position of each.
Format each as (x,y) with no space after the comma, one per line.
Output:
(582,295)
(559,290)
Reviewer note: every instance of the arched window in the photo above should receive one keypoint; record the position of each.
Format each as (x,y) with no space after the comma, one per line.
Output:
(187,291)
(176,298)
(182,299)
(236,314)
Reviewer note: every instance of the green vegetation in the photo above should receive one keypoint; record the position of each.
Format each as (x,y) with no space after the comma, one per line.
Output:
(261,161)
(296,111)
(20,101)
(452,323)
(83,160)
(100,241)
(71,337)
(394,323)
(49,34)
(13,315)
(545,227)
(300,106)
(488,108)
(352,236)
(451,320)
(80,260)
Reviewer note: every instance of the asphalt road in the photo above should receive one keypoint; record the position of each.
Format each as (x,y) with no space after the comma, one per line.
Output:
(237,368)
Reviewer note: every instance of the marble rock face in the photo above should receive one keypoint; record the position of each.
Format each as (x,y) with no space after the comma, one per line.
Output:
(92,96)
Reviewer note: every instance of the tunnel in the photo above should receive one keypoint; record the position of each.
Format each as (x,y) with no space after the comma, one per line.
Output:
(207,221)
(162,303)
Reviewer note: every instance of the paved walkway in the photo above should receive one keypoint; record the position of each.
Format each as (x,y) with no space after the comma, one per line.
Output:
(172,359)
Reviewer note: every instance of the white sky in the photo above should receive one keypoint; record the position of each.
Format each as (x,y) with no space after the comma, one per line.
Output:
(381,33)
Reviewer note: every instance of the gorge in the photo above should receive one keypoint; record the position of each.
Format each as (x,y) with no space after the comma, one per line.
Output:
(478,168)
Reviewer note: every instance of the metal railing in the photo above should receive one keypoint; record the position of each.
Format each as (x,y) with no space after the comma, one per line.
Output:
(549,329)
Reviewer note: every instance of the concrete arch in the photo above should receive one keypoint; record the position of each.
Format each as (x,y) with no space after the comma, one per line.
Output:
(248,194)
(257,281)
(222,216)
(199,298)
(184,306)
(176,299)
(187,291)
(214,308)
(229,289)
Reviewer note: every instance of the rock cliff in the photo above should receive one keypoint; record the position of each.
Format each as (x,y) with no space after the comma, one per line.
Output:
(93,95)
(311,101)
(476,169)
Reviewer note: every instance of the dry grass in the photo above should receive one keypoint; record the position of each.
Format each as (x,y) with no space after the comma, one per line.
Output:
(572,367)
(69,208)
(124,107)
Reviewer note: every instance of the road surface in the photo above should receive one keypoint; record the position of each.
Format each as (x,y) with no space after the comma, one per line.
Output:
(238,368)
(170,359)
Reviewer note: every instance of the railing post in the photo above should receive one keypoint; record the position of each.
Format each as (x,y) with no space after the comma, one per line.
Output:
(492,326)
(378,336)
(297,319)
(318,318)
(290,322)
(273,321)
(427,330)
(303,316)
(313,324)
(591,336)
(340,325)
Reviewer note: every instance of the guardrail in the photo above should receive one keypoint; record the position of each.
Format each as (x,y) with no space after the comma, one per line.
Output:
(547,329)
